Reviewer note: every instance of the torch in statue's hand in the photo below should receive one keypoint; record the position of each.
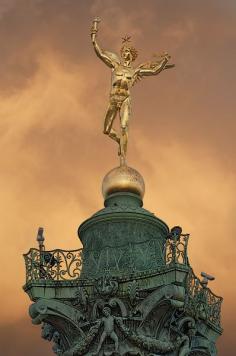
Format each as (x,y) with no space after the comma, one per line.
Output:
(94,28)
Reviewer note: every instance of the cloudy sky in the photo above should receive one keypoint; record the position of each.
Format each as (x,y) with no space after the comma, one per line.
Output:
(53,96)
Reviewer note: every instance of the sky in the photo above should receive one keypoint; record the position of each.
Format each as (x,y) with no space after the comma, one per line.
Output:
(53,96)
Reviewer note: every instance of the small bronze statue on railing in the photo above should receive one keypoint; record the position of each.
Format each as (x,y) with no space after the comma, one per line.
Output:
(176,246)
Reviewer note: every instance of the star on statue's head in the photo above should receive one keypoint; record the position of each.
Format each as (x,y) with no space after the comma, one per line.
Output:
(126,46)
(126,39)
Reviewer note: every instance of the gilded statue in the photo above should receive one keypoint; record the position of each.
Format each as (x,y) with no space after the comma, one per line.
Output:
(124,76)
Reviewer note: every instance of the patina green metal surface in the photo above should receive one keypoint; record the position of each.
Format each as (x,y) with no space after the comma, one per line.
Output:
(129,290)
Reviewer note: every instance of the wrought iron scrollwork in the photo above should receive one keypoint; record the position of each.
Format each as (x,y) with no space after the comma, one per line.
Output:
(67,265)
(56,265)
(201,302)
(176,249)
(62,265)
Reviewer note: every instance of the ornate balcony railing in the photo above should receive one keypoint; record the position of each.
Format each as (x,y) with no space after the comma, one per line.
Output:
(176,249)
(67,265)
(62,265)
(53,265)
(201,301)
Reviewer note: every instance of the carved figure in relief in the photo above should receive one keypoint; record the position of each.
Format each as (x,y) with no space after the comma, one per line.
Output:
(124,76)
(106,286)
(47,331)
(51,334)
(108,322)
(81,298)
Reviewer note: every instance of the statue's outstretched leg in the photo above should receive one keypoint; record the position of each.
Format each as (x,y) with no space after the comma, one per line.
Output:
(114,337)
(124,120)
(109,118)
(102,339)
(114,135)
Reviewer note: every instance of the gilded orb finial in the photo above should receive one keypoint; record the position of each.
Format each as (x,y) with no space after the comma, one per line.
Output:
(123,179)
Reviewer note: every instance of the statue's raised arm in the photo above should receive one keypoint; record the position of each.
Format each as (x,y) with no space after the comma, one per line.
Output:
(109,58)
(154,67)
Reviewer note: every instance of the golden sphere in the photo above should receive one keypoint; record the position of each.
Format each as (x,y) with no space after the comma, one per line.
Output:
(123,179)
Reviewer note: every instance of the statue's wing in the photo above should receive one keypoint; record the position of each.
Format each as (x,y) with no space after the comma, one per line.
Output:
(150,68)
(138,75)
(168,66)
(112,57)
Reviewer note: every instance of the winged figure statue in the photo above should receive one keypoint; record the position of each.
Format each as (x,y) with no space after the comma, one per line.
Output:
(124,76)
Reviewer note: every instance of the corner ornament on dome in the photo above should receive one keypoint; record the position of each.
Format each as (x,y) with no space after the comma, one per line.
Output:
(124,76)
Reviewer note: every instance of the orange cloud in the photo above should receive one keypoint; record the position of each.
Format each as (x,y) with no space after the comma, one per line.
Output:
(53,96)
